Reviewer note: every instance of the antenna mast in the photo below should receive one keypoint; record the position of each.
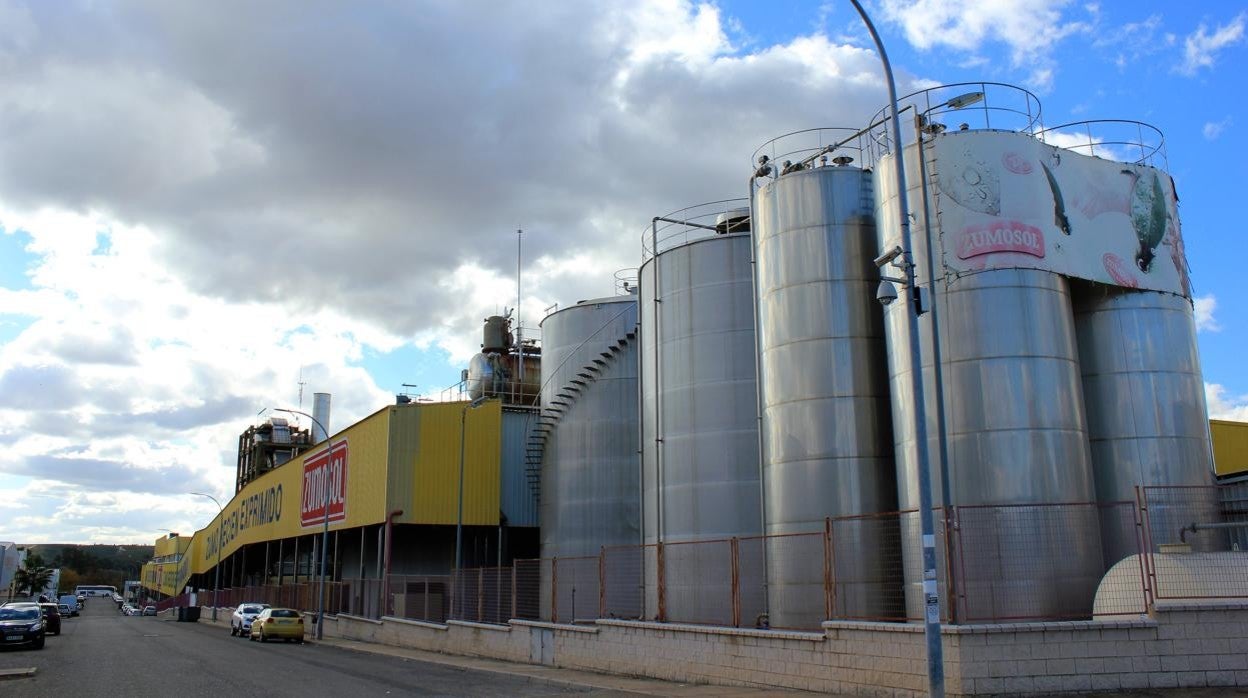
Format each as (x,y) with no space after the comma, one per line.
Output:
(519,327)
(301,384)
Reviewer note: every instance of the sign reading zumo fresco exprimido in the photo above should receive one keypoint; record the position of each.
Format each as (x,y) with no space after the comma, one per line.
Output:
(263,507)
(324,485)
(321,471)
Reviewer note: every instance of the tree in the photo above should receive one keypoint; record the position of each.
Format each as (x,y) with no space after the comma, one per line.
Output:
(32,576)
(69,579)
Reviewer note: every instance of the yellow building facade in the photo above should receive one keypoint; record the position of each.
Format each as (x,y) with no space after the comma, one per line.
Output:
(1230,446)
(403,458)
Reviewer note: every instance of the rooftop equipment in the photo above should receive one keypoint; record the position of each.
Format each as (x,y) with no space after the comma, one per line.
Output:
(496,370)
(265,446)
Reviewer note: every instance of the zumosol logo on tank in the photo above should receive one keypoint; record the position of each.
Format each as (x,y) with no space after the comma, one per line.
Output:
(324,486)
(1001,236)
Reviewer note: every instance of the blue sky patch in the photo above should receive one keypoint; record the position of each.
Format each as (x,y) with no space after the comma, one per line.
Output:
(431,370)
(15,261)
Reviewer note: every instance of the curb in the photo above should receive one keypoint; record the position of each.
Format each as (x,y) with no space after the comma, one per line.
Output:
(23,673)
(558,676)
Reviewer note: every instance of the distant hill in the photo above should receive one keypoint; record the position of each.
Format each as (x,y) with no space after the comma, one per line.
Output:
(94,564)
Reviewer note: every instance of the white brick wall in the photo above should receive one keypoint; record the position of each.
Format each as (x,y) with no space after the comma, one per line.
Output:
(1181,645)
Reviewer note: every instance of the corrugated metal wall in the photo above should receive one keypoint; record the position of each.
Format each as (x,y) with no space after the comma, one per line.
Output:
(401,459)
(435,491)
(1230,446)
(519,497)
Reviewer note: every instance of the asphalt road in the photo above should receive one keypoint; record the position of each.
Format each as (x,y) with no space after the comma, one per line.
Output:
(102,653)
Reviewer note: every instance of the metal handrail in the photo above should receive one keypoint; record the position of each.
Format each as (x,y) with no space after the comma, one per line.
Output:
(1148,139)
(1004,107)
(690,224)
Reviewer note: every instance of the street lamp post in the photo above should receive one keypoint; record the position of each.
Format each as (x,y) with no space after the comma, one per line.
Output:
(931,593)
(459,519)
(938,382)
(216,585)
(329,458)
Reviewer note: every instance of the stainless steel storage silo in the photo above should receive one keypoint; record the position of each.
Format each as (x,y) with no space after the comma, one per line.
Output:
(700,408)
(1147,418)
(826,433)
(1015,424)
(590,475)
(587,437)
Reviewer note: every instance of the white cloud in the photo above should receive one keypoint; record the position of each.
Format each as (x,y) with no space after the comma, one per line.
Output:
(1200,47)
(1131,41)
(1225,406)
(205,224)
(1031,29)
(1213,129)
(127,384)
(1204,308)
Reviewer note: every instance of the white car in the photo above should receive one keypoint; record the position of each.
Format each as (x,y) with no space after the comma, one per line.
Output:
(240,622)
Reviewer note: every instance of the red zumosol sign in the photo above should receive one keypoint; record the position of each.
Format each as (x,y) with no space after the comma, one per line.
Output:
(1000,236)
(326,470)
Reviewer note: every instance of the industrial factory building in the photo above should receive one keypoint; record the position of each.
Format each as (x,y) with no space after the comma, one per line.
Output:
(390,486)
(717,474)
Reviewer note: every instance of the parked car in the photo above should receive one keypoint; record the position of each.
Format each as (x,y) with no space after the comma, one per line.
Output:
(22,624)
(71,601)
(244,614)
(65,611)
(51,617)
(128,610)
(274,623)
(149,610)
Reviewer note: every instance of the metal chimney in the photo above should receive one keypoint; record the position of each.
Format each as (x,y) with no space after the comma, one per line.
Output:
(320,416)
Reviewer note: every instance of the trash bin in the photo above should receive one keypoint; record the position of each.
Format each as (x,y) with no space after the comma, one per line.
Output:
(181,614)
(192,614)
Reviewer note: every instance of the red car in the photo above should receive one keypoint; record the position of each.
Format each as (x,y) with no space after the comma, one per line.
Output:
(51,617)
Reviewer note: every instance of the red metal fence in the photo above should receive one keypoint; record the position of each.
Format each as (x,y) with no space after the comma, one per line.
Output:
(995,563)
(1193,538)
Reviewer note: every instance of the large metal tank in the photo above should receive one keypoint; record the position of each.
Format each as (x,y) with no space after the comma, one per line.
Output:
(1146,412)
(1015,428)
(502,370)
(498,375)
(590,472)
(700,409)
(590,476)
(827,442)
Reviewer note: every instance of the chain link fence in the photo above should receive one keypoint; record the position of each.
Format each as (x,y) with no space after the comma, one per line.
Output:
(1193,539)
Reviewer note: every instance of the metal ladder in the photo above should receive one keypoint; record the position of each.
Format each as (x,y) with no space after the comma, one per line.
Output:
(566,396)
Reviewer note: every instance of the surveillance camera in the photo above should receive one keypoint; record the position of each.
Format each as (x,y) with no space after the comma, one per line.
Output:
(888,257)
(886,293)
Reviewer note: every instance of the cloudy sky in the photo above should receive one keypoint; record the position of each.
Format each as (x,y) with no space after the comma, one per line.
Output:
(202,202)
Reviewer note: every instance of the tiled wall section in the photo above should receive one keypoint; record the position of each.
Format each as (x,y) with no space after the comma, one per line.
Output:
(1180,645)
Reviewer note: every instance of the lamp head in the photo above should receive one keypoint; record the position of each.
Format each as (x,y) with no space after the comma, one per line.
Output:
(964,100)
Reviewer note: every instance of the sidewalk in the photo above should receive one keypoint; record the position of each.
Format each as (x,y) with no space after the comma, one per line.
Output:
(656,687)
(568,677)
